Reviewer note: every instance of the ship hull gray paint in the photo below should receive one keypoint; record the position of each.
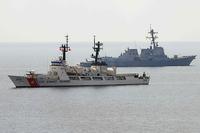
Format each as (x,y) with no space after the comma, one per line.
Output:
(183,61)
(156,63)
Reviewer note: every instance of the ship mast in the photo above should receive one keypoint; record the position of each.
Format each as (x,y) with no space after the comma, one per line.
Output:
(153,37)
(97,47)
(65,48)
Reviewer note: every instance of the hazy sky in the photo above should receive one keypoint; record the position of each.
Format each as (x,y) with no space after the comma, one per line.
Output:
(110,20)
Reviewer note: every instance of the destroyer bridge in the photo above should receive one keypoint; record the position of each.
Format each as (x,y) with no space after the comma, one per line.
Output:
(61,74)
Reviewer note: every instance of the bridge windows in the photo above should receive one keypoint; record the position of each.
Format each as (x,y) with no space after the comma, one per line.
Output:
(97,78)
(85,78)
(109,78)
(120,77)
(74,78)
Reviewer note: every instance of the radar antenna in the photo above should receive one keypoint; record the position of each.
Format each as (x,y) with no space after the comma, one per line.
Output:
(65,48)
(153,37)
(97,47)
(94,40)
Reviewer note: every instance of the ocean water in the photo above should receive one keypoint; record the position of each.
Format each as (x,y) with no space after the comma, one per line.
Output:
(169,104)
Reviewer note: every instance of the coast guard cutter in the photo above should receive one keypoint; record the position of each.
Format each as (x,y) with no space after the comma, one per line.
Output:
(63,75)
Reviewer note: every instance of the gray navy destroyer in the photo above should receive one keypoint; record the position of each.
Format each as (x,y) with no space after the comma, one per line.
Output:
(154,56)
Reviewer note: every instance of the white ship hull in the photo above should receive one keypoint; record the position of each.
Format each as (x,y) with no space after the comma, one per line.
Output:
(22,81)
(61,74)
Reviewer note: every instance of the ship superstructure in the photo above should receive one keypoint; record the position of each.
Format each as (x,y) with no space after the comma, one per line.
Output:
(154,56)
(61,74)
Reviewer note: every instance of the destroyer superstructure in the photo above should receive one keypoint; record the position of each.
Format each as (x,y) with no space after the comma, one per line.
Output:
(63,75)
(154,56)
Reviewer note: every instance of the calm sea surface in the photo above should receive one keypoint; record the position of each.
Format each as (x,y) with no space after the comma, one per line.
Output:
(170,104)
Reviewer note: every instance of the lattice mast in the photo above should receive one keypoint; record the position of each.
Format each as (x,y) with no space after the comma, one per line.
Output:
(153,37)
(65,48)
(97,47)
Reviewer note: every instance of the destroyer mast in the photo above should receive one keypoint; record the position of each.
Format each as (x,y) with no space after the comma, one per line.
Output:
(153,38)
(65,48)
(97,47)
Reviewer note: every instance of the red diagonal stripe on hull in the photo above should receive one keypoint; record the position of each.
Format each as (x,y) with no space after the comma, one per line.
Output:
(32,82)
